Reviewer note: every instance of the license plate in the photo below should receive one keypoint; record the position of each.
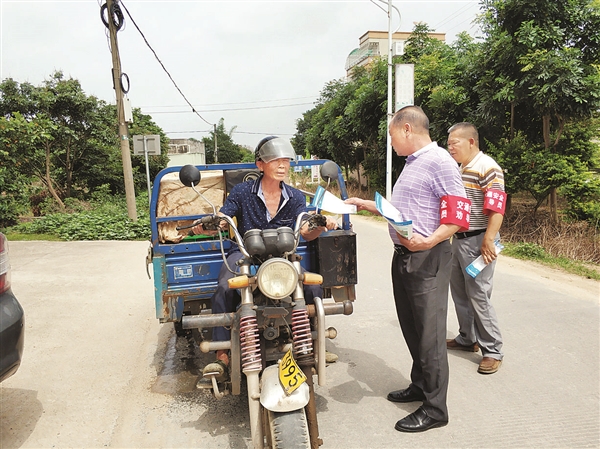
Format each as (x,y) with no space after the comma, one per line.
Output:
(290,374)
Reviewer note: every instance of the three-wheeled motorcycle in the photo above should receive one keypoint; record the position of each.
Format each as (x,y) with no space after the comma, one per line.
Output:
(277,339)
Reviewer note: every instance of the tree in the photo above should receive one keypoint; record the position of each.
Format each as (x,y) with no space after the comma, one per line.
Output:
(228,151)
(14,185)
(331,135)
(67,140)
(367,116)
(59,128)
(541,59)
(346,124)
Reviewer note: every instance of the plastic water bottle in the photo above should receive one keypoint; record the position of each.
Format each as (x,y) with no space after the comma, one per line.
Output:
(479,264)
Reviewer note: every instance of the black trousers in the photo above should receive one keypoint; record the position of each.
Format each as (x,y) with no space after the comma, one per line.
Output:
(420,283)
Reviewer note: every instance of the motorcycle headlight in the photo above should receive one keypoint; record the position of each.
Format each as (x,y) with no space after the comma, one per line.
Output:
(277,278)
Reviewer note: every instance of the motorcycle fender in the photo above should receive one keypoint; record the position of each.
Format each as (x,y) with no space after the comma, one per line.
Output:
(273,397)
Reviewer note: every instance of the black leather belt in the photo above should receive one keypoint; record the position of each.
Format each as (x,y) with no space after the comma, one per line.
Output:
(402,250)
(464,235)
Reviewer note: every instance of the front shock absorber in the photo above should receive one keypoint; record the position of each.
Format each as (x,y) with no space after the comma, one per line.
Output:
(250,344)
(303,348)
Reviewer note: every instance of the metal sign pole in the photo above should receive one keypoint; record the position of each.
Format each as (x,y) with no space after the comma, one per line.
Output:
(147,168)
(147,145)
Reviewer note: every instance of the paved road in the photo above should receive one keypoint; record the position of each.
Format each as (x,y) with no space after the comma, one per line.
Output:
(99,371)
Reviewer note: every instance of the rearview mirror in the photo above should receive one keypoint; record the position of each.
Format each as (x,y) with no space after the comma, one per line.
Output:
(329,171)
(189,175)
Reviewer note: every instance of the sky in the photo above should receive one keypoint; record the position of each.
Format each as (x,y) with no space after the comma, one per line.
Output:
(259,65)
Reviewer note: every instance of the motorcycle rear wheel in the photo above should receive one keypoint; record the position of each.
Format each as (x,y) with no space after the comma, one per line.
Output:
(289,430)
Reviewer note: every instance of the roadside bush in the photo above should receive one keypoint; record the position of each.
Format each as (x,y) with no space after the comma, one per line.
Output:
(583,198)
(91,225)
(104,218)
(528,251)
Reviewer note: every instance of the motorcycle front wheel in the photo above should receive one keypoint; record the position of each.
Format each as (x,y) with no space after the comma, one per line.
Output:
(289,430)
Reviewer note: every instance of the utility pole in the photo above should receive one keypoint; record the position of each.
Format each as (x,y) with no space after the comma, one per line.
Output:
(390,110)
(216,154)
(123,131)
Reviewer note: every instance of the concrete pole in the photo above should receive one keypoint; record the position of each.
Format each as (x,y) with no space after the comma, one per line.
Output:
(123,131)
(216,152)
(390,109)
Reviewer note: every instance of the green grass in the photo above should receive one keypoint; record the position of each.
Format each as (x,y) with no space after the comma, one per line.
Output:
(531,251)
(18,236)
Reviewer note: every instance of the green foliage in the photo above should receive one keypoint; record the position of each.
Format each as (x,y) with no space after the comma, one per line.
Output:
(71,205)
(580,140)
(105,218)
(526,251)
(88,226)
(13,185)
(56,136)
(348,124)
(247,156)
(227,150)
(538,71)
(533,169)
(532,251)
(443,76)
(531,86)
(13,196)
(583,196)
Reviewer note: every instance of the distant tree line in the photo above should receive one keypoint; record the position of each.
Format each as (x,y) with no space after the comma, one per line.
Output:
(57,144)
(531,86)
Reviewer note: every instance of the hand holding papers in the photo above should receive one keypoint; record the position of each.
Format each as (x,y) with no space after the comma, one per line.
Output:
(392,215)
(328,202)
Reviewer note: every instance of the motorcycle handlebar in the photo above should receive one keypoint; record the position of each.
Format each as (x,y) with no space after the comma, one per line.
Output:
(315,220)
(209,222)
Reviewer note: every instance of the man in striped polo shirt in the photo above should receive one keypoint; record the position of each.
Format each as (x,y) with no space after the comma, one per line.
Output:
(484,184)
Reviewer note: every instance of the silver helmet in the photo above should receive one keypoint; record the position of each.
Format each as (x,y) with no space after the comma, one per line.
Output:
(272,147)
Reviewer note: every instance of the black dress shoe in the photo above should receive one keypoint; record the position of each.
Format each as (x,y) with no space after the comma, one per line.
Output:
(418,422)
(406,395)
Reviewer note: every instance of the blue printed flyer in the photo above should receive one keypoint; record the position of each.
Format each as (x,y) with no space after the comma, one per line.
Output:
(328,202)
(392,215)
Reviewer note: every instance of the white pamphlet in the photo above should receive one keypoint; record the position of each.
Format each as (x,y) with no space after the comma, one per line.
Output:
(328,202)
(392,215)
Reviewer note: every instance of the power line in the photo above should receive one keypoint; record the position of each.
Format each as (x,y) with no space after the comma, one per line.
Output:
(234,132)
(163,66)
(457,13)
(468,19)
(237,102)
(230,109)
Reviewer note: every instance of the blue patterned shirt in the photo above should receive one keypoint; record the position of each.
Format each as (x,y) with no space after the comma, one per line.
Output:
(246,203)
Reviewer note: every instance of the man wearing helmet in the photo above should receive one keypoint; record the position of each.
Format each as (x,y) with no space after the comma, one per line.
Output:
(263,203)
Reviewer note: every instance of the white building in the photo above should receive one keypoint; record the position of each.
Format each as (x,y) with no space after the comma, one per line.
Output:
(186,151)
(375,44)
